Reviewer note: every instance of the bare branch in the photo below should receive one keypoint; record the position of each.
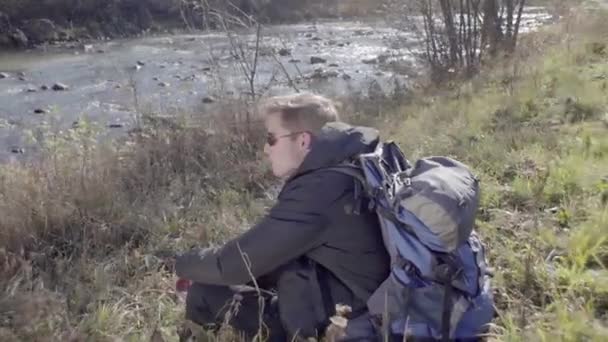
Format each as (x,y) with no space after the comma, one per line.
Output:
(289,79)
(255,61)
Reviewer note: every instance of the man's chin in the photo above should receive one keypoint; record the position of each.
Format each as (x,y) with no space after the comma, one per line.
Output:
(279,174)
(283,175)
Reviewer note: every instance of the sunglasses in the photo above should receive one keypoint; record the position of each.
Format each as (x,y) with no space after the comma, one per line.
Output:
(272,139)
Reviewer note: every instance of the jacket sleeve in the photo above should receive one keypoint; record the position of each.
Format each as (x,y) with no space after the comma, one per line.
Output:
(293,226)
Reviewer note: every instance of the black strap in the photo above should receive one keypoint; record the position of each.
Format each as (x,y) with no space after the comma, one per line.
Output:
(326,297)
(361,186)
(447,313)
(323,275)
(445,274)
(351,170)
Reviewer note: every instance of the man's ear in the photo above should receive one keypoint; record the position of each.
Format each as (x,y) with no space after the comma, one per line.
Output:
(306,140)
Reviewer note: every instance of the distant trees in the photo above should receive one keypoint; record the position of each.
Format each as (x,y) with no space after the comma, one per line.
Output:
(458,34)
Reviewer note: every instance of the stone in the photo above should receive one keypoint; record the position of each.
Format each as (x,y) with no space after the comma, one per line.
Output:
(317,60)
(40,30)
(17,150)
(14,37)
(3,75)
(323,74)
(330,74)
(383,58)
(66,35)
(284,52)
(370,61)
(40,111)
(60,87)
(208,99)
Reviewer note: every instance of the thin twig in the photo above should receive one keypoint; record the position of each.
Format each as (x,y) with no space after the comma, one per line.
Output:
(291,82)
(255,60)
(247,262)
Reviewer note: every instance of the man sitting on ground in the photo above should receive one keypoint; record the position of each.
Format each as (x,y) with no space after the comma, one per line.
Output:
(313,250)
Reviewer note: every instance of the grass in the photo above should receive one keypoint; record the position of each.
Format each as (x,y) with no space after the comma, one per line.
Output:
(534,131)
(85,229)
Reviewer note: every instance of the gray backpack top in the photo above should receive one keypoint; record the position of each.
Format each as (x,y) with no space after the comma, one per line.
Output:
(438,286)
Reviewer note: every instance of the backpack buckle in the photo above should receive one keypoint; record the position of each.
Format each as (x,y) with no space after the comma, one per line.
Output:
(404,178)
(404,264)
(446,273)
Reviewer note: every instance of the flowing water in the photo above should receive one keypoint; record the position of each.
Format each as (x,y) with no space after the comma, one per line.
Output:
(108,80)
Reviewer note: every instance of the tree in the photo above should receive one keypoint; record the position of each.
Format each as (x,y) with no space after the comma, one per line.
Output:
(459,34)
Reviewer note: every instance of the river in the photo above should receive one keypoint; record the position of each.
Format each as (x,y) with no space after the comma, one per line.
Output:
(108,81)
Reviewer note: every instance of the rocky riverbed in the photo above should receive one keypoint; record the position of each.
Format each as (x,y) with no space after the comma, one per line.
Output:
(108,81)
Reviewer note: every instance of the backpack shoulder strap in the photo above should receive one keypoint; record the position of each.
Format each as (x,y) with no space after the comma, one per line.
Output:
(350,170)
(362,188)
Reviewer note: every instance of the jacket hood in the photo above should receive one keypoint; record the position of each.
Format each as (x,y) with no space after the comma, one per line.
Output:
(337,142)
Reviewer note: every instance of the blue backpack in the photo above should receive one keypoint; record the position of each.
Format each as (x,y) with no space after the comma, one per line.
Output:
(439,284)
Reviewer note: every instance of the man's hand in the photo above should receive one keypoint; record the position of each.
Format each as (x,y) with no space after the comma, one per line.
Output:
(182,285)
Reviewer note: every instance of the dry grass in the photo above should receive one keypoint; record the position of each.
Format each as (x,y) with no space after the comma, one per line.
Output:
(84,230)
(89,225)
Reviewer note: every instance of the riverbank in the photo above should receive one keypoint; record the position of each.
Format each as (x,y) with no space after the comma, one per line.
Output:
(30,23)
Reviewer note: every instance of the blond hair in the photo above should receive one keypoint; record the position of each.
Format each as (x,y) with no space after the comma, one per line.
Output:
(303,111)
